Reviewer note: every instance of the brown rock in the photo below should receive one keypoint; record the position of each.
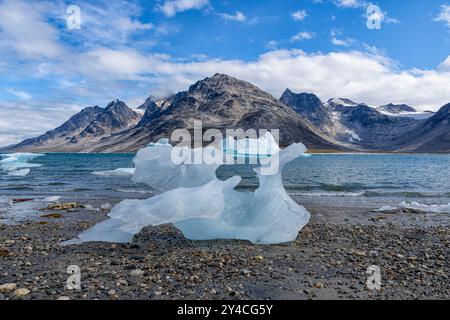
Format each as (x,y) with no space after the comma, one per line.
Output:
(4,252)
(52,216)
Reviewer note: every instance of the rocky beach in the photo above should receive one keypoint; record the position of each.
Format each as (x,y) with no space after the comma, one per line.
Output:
(328,260)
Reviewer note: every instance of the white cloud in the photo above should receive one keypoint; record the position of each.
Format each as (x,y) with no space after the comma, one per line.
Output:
(171,7)
(109,22)
(304,35)
(299,15)
(381,16)
(238,16)
(15,120)
(339,42)
(367,76)
(342,42)
(362,76)
(272,44)
(24,30)
(19,93)
(444,15)
(350,3)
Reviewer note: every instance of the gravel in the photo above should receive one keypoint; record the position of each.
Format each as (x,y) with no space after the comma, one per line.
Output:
(329,260)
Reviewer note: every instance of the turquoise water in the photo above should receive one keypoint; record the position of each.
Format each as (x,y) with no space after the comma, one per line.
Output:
(319,178)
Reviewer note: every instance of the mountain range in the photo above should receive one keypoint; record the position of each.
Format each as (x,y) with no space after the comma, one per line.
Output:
(224,102)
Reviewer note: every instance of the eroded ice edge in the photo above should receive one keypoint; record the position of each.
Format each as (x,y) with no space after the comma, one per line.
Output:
(202,206)
(17,164)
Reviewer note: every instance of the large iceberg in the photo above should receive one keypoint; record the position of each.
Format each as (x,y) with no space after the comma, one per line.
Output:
(191,197)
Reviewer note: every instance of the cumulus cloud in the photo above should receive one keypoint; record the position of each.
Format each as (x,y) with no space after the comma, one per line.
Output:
(380,16)
(350,3)
(337,41)
(109,22)
(24,30)
(444,15)
(15,120)
(375,15)
(171,7)
(299,15)
(238,16)
(362,76)
(106,67)
(304,35)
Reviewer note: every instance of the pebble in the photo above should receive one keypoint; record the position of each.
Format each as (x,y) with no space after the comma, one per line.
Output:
(4,252)
(137,273)
(259,258)
(22,292)
(245,272)
(7,287)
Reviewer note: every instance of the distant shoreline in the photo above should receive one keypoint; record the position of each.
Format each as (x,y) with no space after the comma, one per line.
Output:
(311,151)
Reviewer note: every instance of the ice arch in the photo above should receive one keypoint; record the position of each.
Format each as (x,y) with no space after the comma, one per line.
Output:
(203,207)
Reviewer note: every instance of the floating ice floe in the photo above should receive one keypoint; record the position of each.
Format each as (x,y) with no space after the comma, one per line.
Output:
(51,199)
(17,164)
(120,172)
(203,207)
(433,208)
(5,201)
(19,173)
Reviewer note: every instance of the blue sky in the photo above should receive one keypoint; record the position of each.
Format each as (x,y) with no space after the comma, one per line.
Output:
(131,49)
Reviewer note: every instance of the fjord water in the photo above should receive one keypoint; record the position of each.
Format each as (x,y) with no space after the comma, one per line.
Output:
(368,180)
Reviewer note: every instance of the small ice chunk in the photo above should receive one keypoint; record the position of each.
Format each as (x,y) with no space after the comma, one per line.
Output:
(19,173)
(105,206)
(433,208)
(120,172)
(51,199)
(386,208)
(5,201)
(17,164)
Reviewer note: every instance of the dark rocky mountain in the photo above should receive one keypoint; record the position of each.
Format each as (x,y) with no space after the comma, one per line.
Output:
(62,134)
(150,108)
(220,102)
(432,136)
(373,128)
(346,122)
(223,102)
(83,130)
(150,102)
(309,106)
(396,108)
(115,117)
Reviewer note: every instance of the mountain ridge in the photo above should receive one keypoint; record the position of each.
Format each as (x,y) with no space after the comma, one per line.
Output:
(223,102)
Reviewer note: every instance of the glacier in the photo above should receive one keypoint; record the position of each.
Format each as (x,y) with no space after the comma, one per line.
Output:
(201,206)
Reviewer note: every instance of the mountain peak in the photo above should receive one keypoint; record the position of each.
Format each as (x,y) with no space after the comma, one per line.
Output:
(301,100)
(116,104)
(396,108)
(221,83)
(342,102)
(308,105)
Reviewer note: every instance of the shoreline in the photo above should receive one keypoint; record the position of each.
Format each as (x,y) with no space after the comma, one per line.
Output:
(328,260)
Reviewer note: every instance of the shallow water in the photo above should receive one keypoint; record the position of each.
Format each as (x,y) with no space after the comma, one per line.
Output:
(367,180)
